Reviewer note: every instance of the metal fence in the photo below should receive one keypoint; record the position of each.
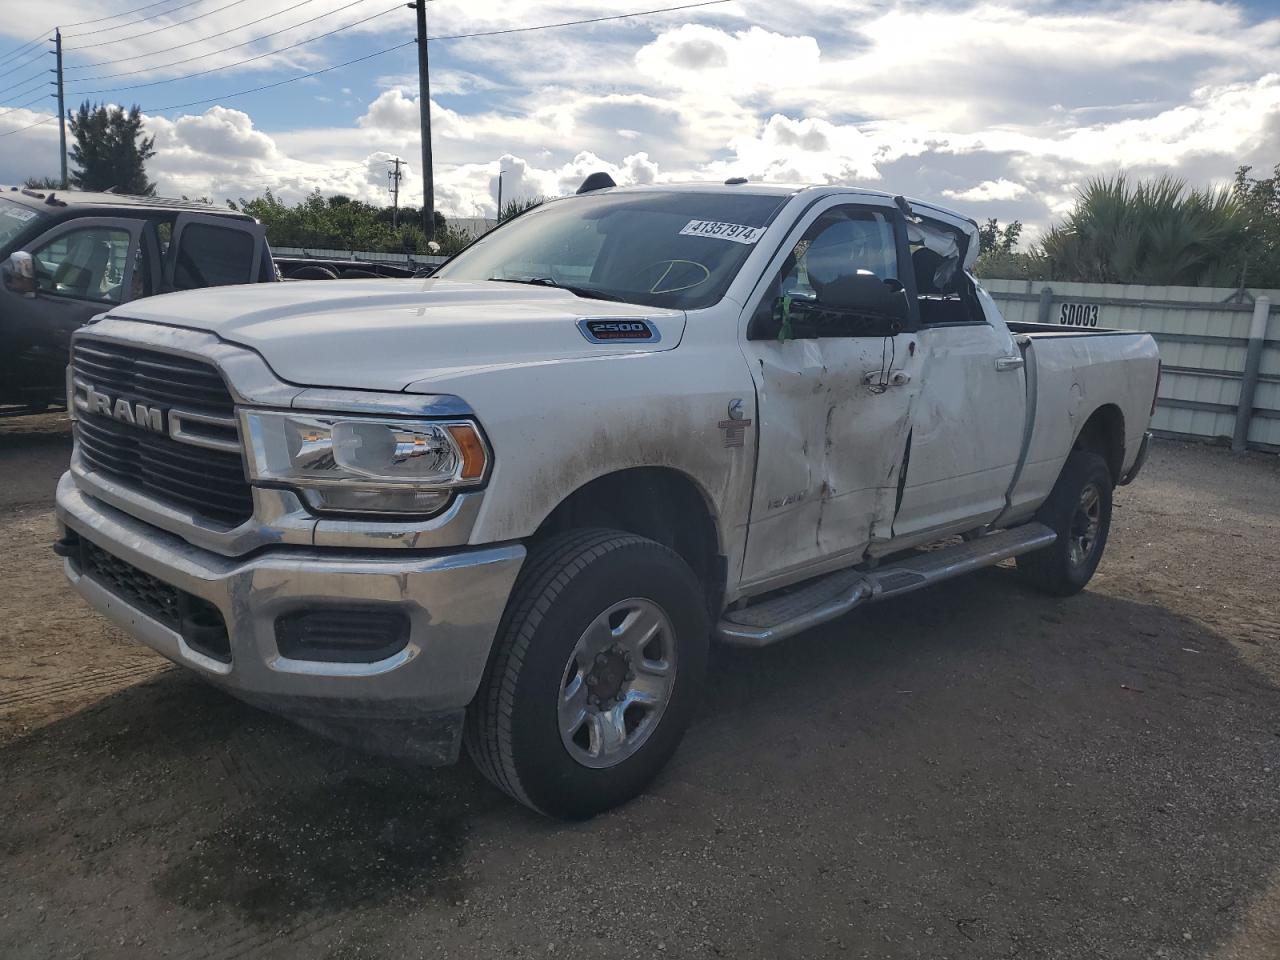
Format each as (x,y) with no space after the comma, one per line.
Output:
(1220,350)
(396,259)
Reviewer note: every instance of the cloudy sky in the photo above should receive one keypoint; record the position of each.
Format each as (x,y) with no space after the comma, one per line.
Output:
(1000,108)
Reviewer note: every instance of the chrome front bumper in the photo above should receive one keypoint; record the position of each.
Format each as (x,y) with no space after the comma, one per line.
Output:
(453,600)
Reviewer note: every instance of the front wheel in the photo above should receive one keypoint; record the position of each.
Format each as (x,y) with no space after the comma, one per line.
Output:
(1078,510)
(594,675)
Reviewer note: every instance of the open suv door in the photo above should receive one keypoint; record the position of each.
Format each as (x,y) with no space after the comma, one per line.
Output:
(209,251)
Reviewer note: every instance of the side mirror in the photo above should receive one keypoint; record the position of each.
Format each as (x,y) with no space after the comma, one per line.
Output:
(20,273)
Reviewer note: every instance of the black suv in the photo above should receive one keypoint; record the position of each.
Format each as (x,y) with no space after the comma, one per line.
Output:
(66,256)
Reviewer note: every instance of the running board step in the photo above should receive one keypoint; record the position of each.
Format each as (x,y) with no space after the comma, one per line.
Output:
(835,594)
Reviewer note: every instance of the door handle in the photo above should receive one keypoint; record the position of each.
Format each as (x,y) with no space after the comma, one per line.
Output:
(1009,363)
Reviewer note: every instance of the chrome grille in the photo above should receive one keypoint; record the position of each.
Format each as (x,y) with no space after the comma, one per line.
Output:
(191,475)
(152,377)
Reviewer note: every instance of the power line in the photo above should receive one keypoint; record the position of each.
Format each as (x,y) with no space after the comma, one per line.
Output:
(281,83)
(10,133)
(22,106)
(134,23)
(18,49)
(125,13)
(214,53)
(170,26)
(15,96)
(39,54)
(238,63)
(192,43)
(574,23)
(407,43)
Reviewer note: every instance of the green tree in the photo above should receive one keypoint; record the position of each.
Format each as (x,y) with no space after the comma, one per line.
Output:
(1260,199)
(110,151)
(998,255)
(342,223)
(992,238)
(1157,232)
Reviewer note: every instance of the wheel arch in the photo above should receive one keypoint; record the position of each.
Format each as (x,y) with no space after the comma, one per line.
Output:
(1103,434)
(661,503)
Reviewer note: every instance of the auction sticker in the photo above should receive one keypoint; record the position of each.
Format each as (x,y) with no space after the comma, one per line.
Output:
(18,213)
(736,232)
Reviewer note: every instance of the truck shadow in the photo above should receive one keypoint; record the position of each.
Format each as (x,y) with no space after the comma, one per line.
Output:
(975,752)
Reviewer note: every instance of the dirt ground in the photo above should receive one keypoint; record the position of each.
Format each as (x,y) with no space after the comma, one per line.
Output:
(974,772)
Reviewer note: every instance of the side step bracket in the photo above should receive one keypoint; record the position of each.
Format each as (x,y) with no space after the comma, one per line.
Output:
(826,598)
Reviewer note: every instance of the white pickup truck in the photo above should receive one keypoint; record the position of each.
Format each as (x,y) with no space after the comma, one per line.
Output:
(509,506)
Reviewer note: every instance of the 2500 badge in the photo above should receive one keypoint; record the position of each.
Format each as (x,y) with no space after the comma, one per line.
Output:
(610,331)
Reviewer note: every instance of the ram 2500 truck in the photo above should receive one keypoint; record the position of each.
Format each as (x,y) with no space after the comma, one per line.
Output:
(510,505)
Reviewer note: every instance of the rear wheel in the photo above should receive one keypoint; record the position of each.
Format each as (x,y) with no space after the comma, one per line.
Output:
(1078,510)
(594,675)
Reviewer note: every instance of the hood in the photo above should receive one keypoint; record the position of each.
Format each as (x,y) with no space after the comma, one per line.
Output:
(386,334)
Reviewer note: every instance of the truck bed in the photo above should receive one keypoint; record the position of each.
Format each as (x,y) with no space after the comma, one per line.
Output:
(1069,371)
(1042,330)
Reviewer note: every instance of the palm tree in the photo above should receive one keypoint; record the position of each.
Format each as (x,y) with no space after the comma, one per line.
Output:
(1156,232)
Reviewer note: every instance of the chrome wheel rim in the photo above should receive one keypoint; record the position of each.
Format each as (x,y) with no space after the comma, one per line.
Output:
(617,683)
(1086,522)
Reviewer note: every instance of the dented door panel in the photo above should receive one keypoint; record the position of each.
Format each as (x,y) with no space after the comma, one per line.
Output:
(967,431)
(831,446)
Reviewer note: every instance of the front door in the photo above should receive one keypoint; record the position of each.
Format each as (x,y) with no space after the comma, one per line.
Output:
(83,267)
(834,408)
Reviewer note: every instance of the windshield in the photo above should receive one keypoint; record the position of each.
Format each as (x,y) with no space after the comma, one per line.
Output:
(14,218)
(661,249)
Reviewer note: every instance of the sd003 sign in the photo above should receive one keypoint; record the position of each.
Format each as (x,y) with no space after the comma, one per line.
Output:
(1078,315)
(619,331)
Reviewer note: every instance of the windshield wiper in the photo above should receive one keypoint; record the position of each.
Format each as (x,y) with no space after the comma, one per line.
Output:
(585,292)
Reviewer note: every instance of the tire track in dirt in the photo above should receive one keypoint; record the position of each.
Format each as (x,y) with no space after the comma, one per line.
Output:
(251,943)
(80,687)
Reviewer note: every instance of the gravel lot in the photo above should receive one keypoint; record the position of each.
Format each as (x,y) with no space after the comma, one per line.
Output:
(977,772)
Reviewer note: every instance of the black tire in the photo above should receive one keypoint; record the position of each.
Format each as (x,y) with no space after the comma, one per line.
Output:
(1064,567)
(513,731)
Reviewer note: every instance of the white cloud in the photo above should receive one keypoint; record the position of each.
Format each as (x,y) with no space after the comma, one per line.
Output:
(808,150)
(1012,104)
(988,190)
(695,57)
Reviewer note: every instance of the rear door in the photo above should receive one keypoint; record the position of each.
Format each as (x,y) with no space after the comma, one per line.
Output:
(211,251)
(967,429)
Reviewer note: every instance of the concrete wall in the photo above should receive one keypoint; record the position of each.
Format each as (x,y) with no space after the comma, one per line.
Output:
(1210,346)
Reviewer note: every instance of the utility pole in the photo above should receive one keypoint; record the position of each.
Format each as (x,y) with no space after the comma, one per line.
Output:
(499,196)
(424,110)
(62,108)
(393,177)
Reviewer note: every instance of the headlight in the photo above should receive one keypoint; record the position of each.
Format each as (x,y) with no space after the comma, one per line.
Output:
(365,464)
